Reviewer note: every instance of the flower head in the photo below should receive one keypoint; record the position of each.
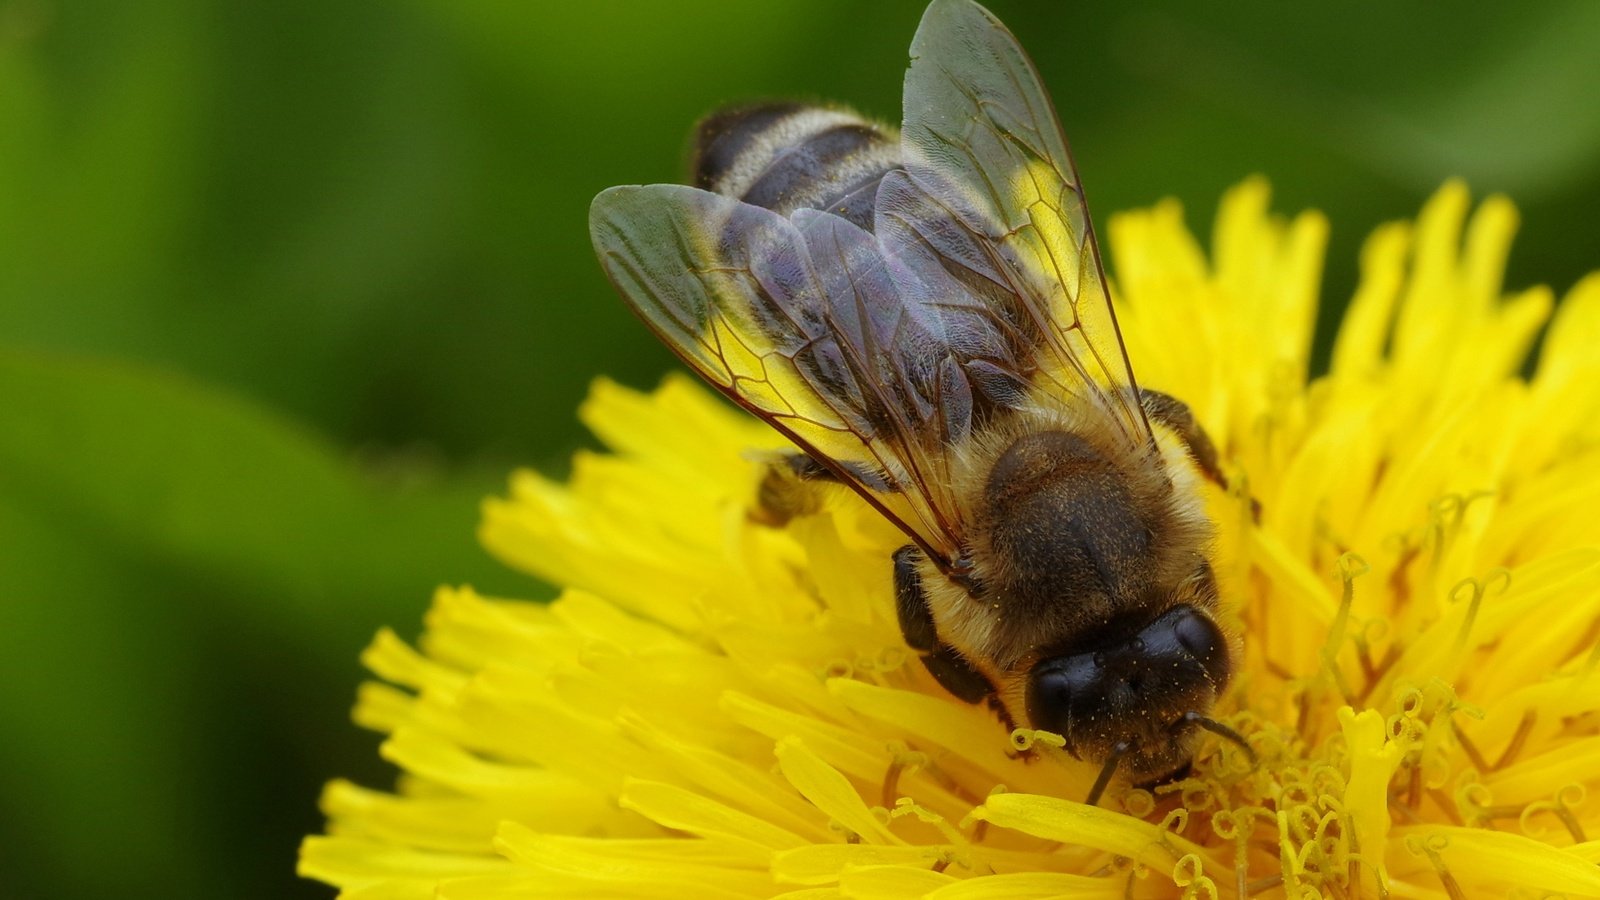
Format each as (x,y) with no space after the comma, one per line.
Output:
(716,707)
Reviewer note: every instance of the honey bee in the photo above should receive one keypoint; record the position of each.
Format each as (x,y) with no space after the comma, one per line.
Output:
(924,314)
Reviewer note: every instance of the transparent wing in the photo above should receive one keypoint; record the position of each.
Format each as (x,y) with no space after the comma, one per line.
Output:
(990,190)
(805,323)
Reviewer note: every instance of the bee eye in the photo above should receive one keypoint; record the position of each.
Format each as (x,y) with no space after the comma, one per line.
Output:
(1064,689)
(1198,635)
(1168,663)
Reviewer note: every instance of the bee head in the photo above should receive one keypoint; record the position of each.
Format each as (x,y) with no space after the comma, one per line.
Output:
(1136,694)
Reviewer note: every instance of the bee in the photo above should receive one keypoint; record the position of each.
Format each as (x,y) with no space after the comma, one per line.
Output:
(924,314)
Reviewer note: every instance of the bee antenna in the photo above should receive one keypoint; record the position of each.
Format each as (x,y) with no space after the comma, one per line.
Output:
(1220,730)
(1106,771)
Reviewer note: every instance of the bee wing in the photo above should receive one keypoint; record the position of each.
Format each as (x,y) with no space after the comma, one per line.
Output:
(805,323)
(990,199)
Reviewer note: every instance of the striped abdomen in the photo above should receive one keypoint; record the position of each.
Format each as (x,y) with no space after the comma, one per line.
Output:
(789,156)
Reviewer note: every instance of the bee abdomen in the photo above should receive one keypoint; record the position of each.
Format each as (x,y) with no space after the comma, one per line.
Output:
(789,156)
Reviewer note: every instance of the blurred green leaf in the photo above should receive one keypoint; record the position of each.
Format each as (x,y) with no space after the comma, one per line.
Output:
(187,575)
(90,762)
(1508,116)
(181,472)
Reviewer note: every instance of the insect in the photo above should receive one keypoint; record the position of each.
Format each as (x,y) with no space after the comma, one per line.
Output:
(924,314)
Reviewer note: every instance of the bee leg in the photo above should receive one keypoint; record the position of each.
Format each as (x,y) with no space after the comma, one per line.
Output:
(943,662)
(1175,414)
(787,489)
(997,707)
(806,468)
(783,493)
(956,675)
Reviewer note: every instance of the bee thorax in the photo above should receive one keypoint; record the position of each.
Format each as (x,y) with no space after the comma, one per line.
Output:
(1065,531)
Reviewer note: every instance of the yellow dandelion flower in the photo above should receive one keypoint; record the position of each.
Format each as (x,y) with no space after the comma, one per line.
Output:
(717,708)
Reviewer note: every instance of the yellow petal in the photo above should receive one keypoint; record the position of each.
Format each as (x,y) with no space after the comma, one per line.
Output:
(826,863)
(1495,860)
(830,792)
(1031,885)
(891,883)
(1087,826)
(674,807)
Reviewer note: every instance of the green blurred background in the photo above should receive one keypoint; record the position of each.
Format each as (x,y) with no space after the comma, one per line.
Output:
(285,288)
